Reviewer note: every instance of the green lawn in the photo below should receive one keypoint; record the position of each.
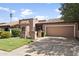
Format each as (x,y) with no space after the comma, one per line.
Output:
(13,43)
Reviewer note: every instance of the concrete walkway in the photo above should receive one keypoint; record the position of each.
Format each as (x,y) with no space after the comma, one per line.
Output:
(17,52)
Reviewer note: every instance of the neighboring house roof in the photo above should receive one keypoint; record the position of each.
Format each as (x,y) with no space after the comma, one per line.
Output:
(10,24)
(14,23)
(4,24)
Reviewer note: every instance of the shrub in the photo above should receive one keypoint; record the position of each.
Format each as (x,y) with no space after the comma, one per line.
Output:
(5,34)
(1,29)
(16,32)
(45,33)
(0,32)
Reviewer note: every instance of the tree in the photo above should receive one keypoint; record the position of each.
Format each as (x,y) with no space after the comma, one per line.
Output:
(70,11)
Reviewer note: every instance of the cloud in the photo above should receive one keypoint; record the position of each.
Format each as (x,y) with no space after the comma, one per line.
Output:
(25,12)
(13,11)
(4,9)
(57,10)
(7,9)
(41,17)
(15,19)
(2,20)
(59,16)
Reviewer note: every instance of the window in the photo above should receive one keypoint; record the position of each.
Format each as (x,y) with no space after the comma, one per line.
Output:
(23,28)
(6,29)
(38,27)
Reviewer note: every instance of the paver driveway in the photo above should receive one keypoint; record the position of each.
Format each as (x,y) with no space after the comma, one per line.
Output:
(52,46)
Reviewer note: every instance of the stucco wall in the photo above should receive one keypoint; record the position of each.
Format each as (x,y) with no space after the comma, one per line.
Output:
(31,31)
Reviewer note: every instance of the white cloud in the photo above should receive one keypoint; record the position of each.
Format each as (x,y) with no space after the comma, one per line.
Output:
(15,19)
(2,20)
(59,16)
(13,11)
(57,10)
(41,17)
(25,12)
(4,9)
(7,9)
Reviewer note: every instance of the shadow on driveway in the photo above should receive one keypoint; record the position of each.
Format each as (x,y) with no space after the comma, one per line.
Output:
(53,46)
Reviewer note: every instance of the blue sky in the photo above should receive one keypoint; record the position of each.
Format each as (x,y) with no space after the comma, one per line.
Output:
(29,10)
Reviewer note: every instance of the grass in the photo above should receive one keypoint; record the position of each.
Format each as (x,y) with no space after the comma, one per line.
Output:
(13,43)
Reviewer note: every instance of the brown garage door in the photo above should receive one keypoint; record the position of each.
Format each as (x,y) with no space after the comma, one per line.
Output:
(65,31)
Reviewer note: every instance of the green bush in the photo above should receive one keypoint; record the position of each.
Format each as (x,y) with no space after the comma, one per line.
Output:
(45,33)
(5,34)
(1,29)
(16,32)
(0,32)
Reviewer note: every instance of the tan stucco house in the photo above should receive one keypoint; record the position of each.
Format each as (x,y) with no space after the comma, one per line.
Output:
(35,28)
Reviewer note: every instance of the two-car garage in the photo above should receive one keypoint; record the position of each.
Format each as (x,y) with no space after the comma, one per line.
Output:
(63,30)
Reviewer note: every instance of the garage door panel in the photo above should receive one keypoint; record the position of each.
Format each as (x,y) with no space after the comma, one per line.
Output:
(67,31)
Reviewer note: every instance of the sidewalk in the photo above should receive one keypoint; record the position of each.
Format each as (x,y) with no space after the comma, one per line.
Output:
(17,52)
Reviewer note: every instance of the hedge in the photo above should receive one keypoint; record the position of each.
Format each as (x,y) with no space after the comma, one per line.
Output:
(16,32)
(5,34)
